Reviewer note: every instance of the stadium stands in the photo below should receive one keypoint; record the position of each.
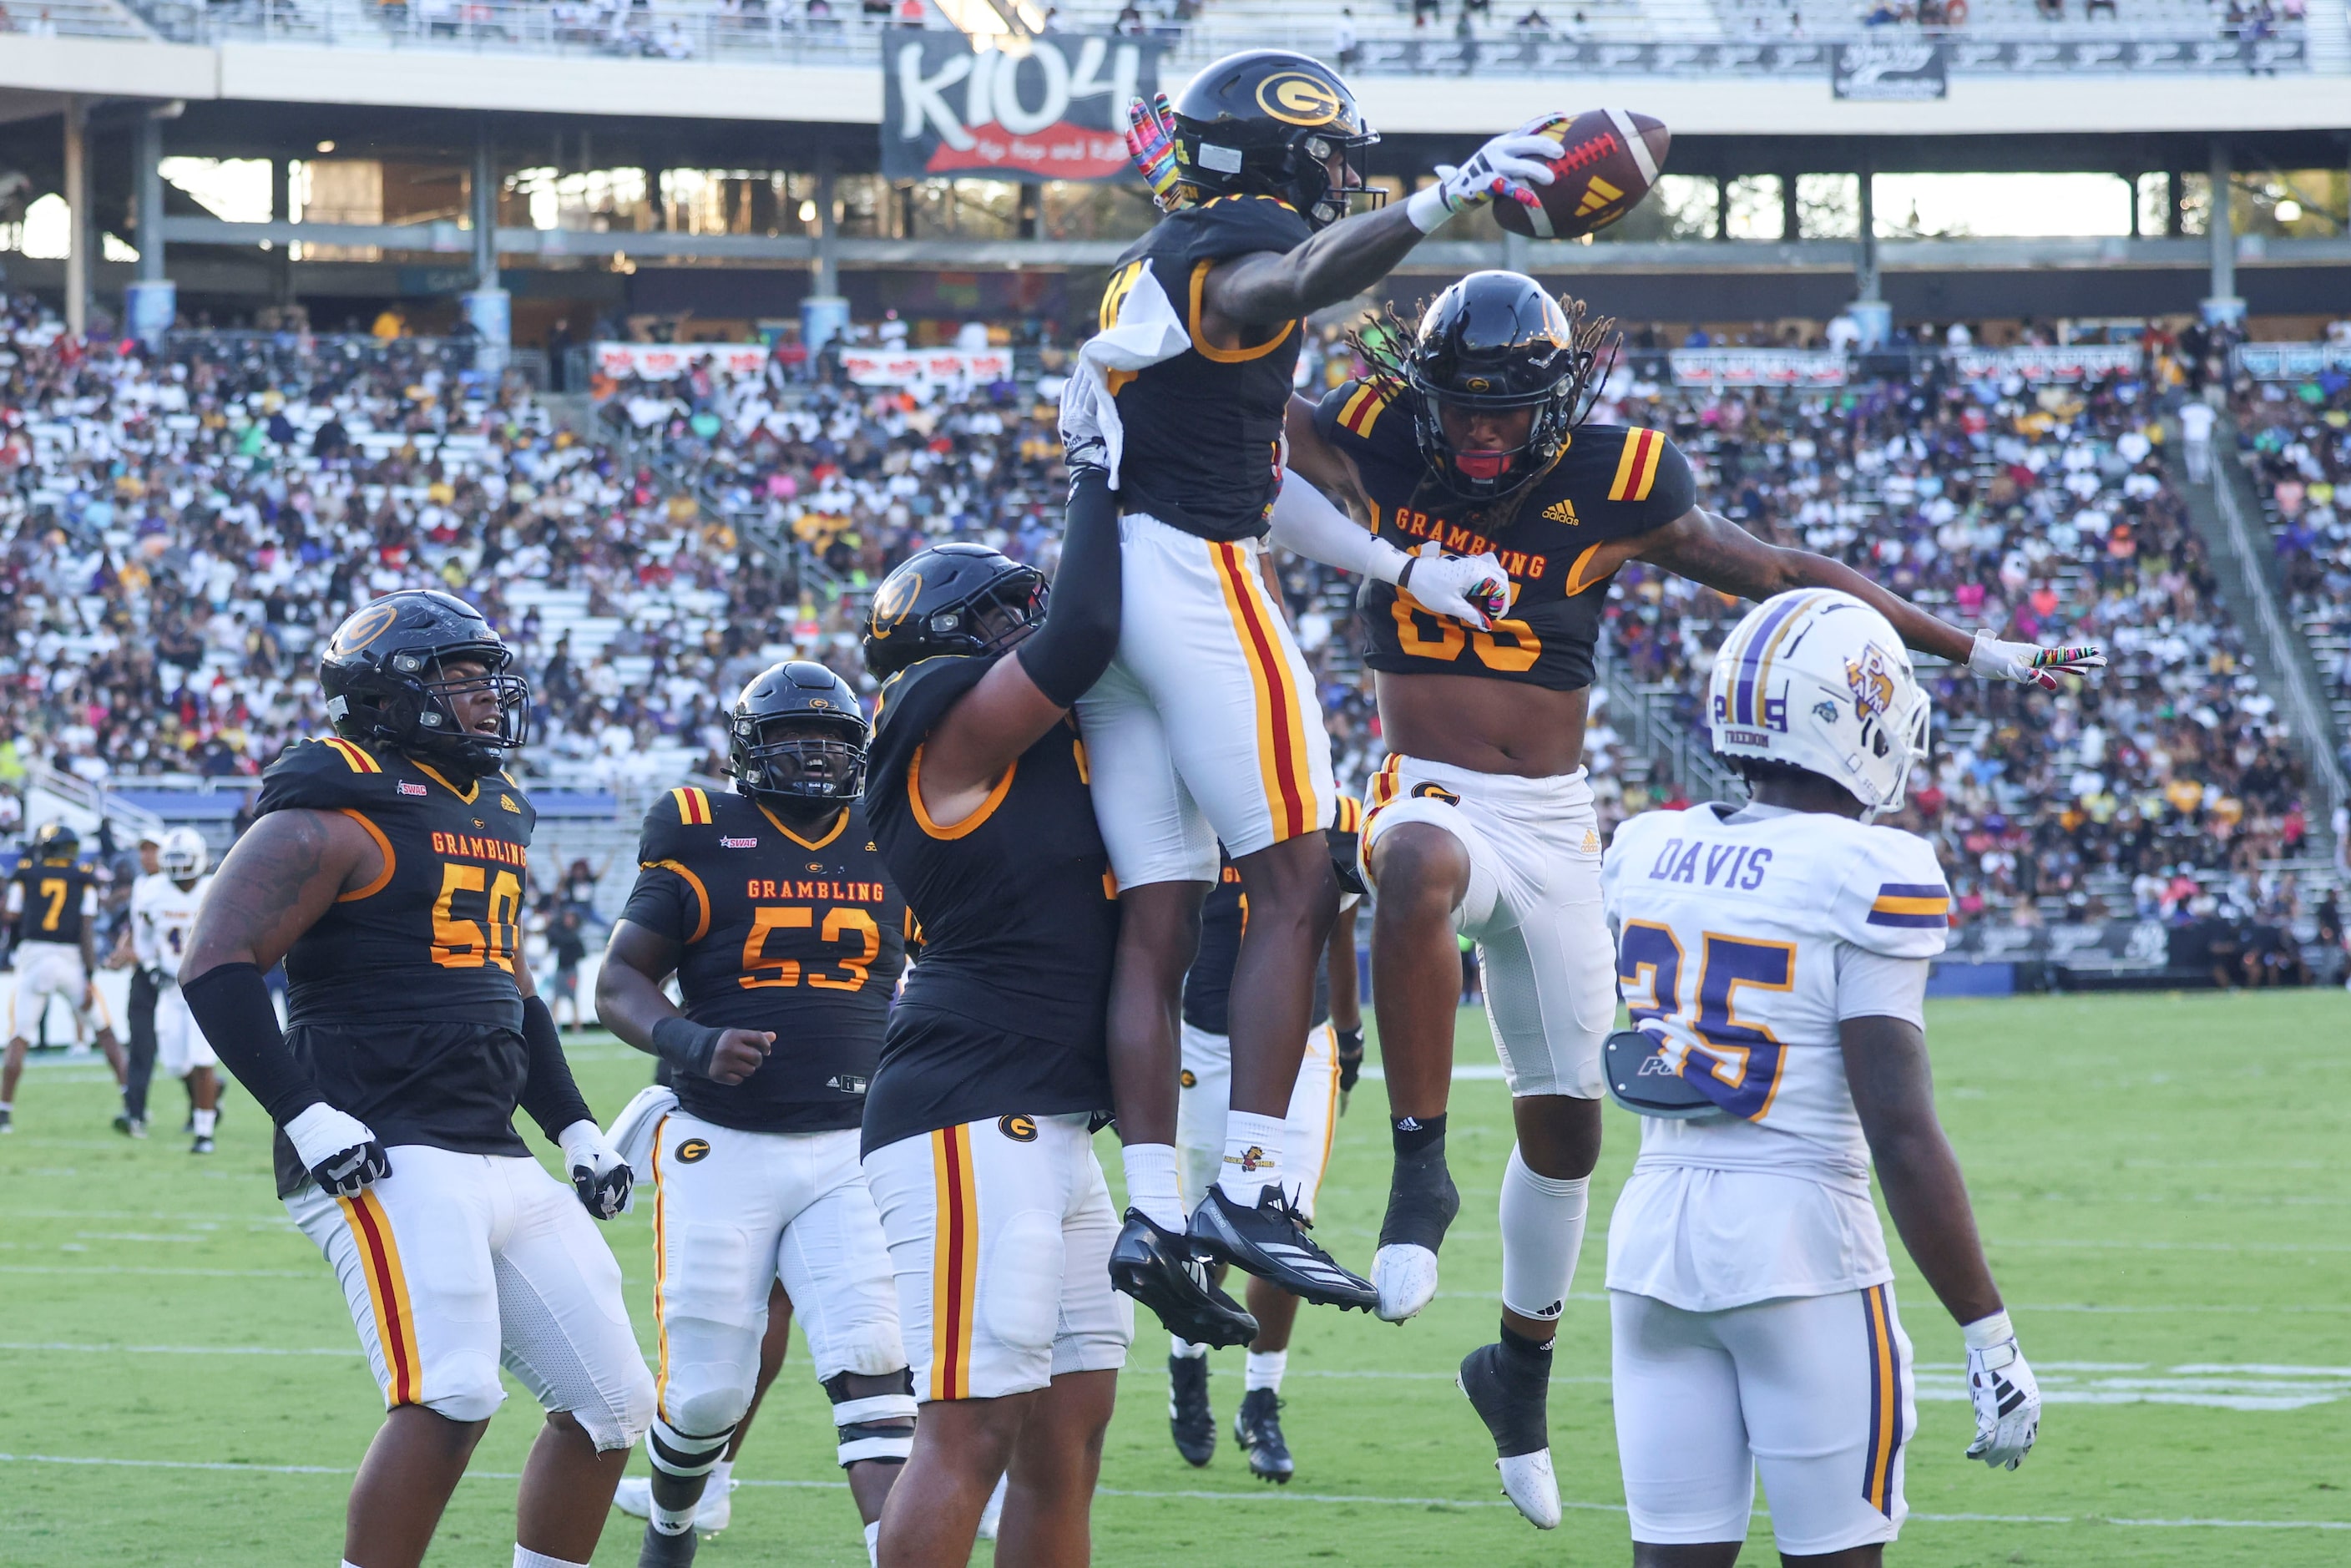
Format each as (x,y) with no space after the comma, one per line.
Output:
(2295,438)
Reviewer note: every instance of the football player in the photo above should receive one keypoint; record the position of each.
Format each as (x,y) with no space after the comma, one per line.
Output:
(138,1012)
(1334,1044)
(1467,437)
(1774,957)
(52,912)
(163,915)
(771,908)
(994,1071)
(1205,727)
(386,866)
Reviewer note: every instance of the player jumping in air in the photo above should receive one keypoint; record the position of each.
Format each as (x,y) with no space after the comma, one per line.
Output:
(771,908)
(53,928)
(1774,957)
(386,866)
(1205,727)
(1467,437)
(978,1133)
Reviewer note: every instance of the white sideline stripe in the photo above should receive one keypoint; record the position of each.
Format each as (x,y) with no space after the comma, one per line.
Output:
(1273,1497)
(173,1273)
(1463,1072)
(63,1348)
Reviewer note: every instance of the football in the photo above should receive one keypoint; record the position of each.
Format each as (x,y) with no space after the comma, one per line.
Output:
(1612,157)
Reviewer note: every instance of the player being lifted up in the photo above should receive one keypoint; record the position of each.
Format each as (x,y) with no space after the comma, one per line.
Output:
(53,930)
(1205,727)
(386,866)
(771,908)
(1774,957)
(1468,436)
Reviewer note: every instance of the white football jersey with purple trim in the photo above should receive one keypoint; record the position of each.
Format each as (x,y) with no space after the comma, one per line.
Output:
(1742,940)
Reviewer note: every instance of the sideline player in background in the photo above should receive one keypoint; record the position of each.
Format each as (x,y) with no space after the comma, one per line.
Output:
(1469,435)
(138,1012)
(994,1074)
(1774,957)
(1334,1042)
(1205,728)
(53,923)
(386,867)
(163,917)
(771,908)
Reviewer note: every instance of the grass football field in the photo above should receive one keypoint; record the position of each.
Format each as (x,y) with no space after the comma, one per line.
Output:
(2162,1181)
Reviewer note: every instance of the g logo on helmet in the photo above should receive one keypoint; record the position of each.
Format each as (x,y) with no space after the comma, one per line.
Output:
(366,626)
(1296,99)
(1019,1129)
(896,597)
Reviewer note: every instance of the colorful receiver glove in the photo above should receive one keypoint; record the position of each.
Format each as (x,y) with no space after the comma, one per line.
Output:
(1994,660)
(1151,142)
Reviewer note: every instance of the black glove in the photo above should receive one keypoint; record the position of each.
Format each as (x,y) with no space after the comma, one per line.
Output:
(340,1152)
(1351,1063)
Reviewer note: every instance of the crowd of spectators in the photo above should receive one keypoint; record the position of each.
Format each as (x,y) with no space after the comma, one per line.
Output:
(180,529)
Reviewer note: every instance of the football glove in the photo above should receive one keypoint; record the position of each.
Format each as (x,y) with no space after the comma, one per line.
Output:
(1472,589)
(1504,167)
(2007,1399)
(1994,660)
(599,1174)
(1084,446)
(338,1151)
(1351,1063)
(1150,142)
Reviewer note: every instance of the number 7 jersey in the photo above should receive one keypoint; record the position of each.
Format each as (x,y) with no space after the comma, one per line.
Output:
(1744,940)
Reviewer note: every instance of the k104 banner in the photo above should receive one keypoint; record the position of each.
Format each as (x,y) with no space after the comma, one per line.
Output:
(1731,368)
(1057,110)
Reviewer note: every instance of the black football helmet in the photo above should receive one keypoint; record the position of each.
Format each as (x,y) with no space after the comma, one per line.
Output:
(384,675)
(55,843)
(936,603)
(1496,340)
(1265,122)
(820,761)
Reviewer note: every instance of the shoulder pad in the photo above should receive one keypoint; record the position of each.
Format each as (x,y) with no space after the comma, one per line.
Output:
(321,775)
(671,819)
(1895,899)
(910,706)
(1355,408)
(1227,227)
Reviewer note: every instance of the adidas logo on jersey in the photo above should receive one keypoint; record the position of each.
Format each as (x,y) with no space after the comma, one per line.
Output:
(1562,511)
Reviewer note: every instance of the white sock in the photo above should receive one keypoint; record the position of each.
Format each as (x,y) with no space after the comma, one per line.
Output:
(675,1521)
(1264,1370)
(1252,1156)
(1178,1345)
(873,1545)
(1542,1231)
(1151,1183)
(206,1119)
(720,1474)
(525,1558)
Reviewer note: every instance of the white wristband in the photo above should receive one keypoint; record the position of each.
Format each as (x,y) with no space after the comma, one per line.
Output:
(581,1142)
(1985,1332)
(1426,209)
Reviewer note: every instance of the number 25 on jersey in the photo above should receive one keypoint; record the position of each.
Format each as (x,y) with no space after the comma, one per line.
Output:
(1736,1062)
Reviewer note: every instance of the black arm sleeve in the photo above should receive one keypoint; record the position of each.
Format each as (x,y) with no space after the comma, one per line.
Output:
(549,1094)
(231,1005)
(1070,652)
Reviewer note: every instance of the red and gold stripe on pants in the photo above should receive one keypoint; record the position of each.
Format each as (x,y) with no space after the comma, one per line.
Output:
(1282,756)
(395,1320)
(954,1263)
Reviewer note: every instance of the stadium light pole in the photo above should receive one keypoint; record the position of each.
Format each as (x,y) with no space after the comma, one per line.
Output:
(2224,305)
(152,300)
(487,307)
(77,172)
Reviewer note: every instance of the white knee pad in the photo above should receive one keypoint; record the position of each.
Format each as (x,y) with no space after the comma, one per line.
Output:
(476,1393)
(868,1425)
(1542,1232)
(620,1416)
(711,1407)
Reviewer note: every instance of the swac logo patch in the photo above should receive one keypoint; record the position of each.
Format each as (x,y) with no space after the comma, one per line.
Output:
(1296,99)
(897,597)
(365,627)
(691,1150)
(725,843)
(1436,792)
(408,789)
(1190,1079)
(1019,1129)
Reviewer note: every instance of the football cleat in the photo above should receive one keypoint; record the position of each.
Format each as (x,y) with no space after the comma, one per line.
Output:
(8,1121)
(202,1145)
(1271,1242)
(660,1550)
(1257,1427)
(634,1497)
(1422,1202)
(1189,1419)
(1511,1394)
(1157,1267)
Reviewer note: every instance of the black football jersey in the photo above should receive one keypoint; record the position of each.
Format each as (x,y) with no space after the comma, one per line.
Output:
(1208,984)
(53,899)
(402,1002)
(1019,918)
(803,936)
(1609,482)
(1203,429)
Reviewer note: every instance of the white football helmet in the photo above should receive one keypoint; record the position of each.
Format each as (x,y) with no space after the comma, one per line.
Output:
(1817,679)
(184,856)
